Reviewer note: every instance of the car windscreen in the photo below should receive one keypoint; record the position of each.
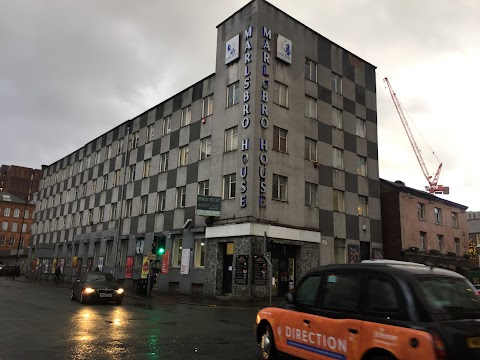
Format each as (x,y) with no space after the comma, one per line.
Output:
(450,295)
(99,278)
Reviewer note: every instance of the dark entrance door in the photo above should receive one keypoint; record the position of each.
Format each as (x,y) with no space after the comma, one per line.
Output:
(282,276)
(364,250)
(227,274)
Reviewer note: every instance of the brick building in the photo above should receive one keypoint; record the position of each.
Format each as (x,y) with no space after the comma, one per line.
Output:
(420,227)
(16,180)
(11,231)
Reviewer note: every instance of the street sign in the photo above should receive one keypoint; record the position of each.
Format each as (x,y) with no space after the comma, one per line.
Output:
(208,205)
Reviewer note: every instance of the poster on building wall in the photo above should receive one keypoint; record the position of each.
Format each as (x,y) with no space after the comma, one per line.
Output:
(54,265)
(377,254)
(89,264)
(100,263)
(232,49)
(166,262)
(353,254)
(129,267)
(74,262)
(78,268)
(241,270)
(145,267)
(34,263)
(62,264)
(284,49)
(260,270)
(185,263)
(45,266)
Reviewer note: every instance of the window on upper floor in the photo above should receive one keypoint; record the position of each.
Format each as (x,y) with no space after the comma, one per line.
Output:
(337,83)
(229,184)
(164,161)
(310,194)
(233,94)
(280,139)
(205,147)
(183,156)
(118,178)
(207,106)
(144,205)
(421,211)
(128,207)
(280,94)
(203,187)
(104,182)
(6,212)
(310,70)
(440,242)
(186,116)
(150,133)
(361,165)
(338,200)
(279,187)
(131,173)
(337,118)
(361,128)
(310,149)
(230,141)
(181,197)
(455,219)
(166,125)
(134,140)
(147,164)
(310,107)
(438,216)
(338,158)
(161,201)
(97,158)
(423,241)
(108,152)
(16,213)
(456,242)
(362,205)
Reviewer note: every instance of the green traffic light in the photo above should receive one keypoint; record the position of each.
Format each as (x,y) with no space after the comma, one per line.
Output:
(161,251)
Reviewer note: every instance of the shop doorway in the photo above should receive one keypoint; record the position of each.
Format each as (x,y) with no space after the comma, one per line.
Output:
(227,269)
(283,269)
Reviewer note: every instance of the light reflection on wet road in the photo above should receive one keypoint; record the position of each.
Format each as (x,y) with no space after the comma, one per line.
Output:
(40,322)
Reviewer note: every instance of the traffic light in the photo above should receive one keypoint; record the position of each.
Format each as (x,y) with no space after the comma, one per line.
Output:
(161,240)
(154,245)
(268,242)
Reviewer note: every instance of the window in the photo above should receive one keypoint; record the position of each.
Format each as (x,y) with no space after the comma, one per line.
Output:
(2,240)
(166,125)
(456,242)
(233,94)
(11,241)
(455,219)
(108,152)
(361,128)
(440,242)
(310,70)
(104,182)
(310,194)
(84,189)
(310,149)
(150,133)
(87,162)
(280,139)
(144,205)
(342,291)
(362,205)
(164,162)
(128,207)
(183,156)
(90,217)
(177,252)
(306,294)
(14,227)
(280,94)
(6,212)
(310,107)
(101,214)
(16,213)
(134,140)
(205,147)
(338,158)
(203,187)
(4,226)
(113,211)
(229,183)
(180,197)
(438,216)
(97,158)
(120,147)
(423,241)
(336,83)
(207,106)
(337,118)
(199,253)
(279,188)
(146,168)
(231,139)
(382,298)
(339,254)
(25,215)
(186,116)
(118,176)
(161,200)
(338,201)
(75,193)
(94,187)
(131,173)
(421,211)
(361,165)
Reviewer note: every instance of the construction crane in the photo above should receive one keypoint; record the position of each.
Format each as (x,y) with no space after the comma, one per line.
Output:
(433,187)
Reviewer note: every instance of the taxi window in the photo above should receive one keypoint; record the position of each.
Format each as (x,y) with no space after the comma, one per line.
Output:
(383,300)
(342,291)
(307,291)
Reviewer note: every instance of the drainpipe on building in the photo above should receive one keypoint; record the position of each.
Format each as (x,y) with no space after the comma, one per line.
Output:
(118,240)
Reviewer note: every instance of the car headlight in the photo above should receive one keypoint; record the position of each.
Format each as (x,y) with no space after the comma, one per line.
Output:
(119,291)
(89,290)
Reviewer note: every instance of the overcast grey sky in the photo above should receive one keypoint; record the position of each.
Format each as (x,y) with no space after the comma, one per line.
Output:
(72,70)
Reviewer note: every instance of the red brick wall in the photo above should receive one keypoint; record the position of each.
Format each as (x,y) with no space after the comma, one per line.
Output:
(16,180)
(18,220)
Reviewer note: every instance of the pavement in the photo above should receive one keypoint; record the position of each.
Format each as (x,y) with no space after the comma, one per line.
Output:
(165,298)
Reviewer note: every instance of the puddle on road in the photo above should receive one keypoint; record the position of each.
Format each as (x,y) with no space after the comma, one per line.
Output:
(148,306)
(168,323)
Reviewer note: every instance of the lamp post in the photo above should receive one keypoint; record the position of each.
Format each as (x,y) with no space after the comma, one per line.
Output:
(23,217)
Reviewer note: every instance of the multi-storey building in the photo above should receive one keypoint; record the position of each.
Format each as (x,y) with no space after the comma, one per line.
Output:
(283,135)
(19,181)
(421,227)
(473,223)
(16,220)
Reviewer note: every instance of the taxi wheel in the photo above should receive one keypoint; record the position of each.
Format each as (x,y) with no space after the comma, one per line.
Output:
(268,344)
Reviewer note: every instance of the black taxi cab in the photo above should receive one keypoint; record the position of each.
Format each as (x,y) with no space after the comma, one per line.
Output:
(375,310)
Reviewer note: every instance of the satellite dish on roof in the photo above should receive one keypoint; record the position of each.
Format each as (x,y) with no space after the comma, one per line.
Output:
(400,182)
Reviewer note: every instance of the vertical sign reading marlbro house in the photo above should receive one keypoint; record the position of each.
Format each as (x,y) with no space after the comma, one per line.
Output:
(246,116)
(262,170)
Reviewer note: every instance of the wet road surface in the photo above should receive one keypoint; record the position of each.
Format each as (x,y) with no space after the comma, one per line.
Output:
(41,322)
